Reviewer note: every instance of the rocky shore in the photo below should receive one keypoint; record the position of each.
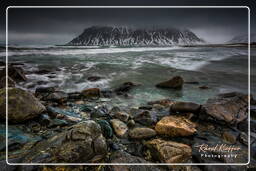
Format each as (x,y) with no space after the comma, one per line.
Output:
(52,126)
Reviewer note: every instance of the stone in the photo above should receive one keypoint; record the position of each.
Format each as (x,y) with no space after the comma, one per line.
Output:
(142,133)
(146,118)
(57,122)
(169,151)
(230,136)
(119,127)
(163,102)
(22,105)
(123,157)
(106,128)
(203,87)
(94,78)
(123,116)
(80,143)
(91,93)
(174,83)
(63,114)
(185,107)
(175,126)
(57,96)
(11,83)
(125,87)
(229,108)
(14,72)
(131,123)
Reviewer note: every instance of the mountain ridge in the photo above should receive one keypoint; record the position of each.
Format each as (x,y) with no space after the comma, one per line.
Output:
(125,36)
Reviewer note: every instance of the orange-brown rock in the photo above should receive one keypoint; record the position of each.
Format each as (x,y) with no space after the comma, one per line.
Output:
(91,92)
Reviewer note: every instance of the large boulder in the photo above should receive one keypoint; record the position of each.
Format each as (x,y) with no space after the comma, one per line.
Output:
(185,107)
(83,142)
(230,108)
(22,105)
(174,83)
(174,126)
(169,151)
(15,72)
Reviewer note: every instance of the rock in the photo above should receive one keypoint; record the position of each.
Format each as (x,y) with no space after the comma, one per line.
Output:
(142,133)
(191,82)
(106,128)
(42,91)
(43,71)
(146,118)
(94,78)
(174,126)
(44,119)
(91,93)
(75,96)
(57,122)
(203,87)
(169,151)
(175,83)
(185,107)
(230,136)
(131,123)
(16,73)
(243,138)
(22,105)
(57,96)
(123,157)
(123,116)
(163,102)
(146,107)
(125,87)
(107,93)
(100,111)
(83,142)
(63,114)
(230,108)
(11,83)
(120,128)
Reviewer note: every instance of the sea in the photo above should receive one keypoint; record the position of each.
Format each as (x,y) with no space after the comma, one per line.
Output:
(221,69)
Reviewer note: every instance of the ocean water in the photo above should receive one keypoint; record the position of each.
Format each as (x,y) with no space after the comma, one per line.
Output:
(222,69)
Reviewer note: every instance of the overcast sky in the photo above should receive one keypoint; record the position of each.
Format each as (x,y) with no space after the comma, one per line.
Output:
(58,26)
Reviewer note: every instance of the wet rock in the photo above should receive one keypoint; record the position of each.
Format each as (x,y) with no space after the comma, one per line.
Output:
(57,96)
(75,96)
(142,133)
(123,157)
(44,119)
(91,93)
(230,108)
(203,87)
(169,151)
(119,127)
(107,93)
(15,72)
(174,126)
(131,123)
(22,105)
(148,107)
(11,83)
(106,128)
(94,78)
(243,138)
(43,71)
(63,114)
(83,142)
(125,87)
(100,111)
(230,136)
(57,122)
(163,102)
(174,83)
(191,82)
(42,91)
(185,107)
(146,118)
(123,116)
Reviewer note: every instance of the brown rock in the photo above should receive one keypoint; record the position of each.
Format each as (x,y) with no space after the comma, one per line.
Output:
(175,83)
(169,151)
(141,133)
(22,105)
(91,92)
(185,107)
(119,127)
(163,102)
(175,126)
(11,83)
(123,116)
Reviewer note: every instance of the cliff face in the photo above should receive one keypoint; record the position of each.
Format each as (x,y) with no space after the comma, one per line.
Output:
(123,36)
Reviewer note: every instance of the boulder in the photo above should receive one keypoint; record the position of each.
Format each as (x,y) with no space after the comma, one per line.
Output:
(119,127)
(106,128)
(16,73)
(11,83)
(123,157)
(82,142)
(142,133)
(91,93)
(185,107)
(22,105)
(174,83)
(146,118)
(230,108)
(123,116)
(169,151)
(174,126)
(57,96)
(125,87)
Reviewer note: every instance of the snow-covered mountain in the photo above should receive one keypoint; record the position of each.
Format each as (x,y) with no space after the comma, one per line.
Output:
(123,36)
(243,38)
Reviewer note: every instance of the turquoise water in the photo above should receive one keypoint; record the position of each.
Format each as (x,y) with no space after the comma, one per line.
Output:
(221,69)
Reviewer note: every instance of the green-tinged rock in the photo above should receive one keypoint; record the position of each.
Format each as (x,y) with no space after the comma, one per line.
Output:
(141,133)
(120,127)
(106,128)
(22,105)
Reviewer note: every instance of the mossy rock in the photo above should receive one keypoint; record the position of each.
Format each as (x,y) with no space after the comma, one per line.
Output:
(22,105)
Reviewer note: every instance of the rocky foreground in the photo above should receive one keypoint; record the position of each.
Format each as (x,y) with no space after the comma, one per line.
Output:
(51,126)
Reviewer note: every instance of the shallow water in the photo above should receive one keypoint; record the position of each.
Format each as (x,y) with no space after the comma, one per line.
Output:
(221,69)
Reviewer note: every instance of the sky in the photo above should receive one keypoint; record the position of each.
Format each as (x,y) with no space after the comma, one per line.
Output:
(47,26)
